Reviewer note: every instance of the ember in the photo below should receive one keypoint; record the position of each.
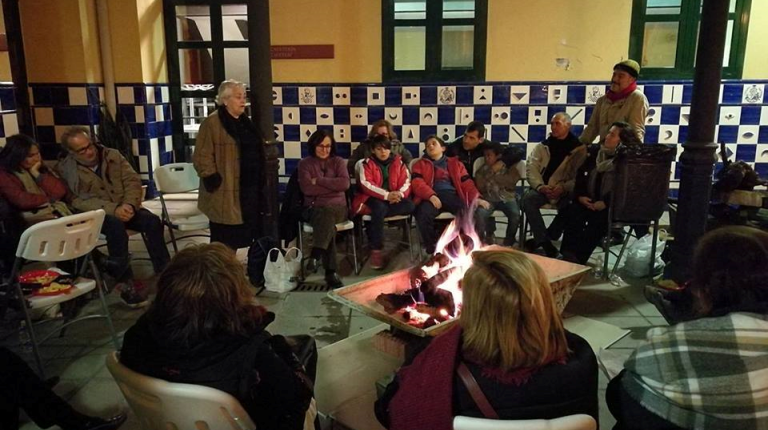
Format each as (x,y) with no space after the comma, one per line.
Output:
(435,292)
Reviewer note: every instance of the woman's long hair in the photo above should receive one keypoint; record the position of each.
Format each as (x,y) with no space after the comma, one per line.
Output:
(382,123)
(730,271)
(15,151)
(509,316)
(203,294)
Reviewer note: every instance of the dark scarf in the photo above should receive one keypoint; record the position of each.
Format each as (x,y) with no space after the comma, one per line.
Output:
(614,97)
(246,134)
(558,150)
(384,166)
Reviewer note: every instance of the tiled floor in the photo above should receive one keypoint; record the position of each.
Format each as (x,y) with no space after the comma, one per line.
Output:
(78,358)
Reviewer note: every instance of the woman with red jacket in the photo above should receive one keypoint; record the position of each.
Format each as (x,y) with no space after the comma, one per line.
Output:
(27,184)
(440,184)
(385,185)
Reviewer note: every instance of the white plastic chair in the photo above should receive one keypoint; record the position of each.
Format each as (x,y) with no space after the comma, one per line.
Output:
(570,422)
(61,239)
(162,405)
(305,227)
(179,179)
(405,220)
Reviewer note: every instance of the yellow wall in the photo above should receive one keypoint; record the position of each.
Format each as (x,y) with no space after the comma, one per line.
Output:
(352,26)
(124,37)
(57,47)
(756,55)
(5,63)
(154,66)
(526,38)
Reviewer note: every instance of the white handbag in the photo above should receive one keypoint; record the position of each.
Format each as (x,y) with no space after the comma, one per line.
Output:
(281,275)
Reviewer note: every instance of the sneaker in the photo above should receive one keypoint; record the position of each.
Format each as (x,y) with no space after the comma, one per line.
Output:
(332,280)
(377,259)
(130,295)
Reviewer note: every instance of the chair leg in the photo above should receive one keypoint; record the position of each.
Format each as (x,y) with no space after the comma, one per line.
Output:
(173,237)
(30,328)
(302,274)
(621,253)
(107,315)
(354,254)
(407,225)
(652,264)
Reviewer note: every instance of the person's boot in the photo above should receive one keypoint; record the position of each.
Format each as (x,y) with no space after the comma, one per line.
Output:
(549,249)
(333,280)
(377,259)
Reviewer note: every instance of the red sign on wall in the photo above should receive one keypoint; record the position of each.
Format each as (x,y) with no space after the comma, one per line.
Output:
(301,52)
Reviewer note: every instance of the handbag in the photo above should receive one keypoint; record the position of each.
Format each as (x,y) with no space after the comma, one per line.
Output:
(281,275)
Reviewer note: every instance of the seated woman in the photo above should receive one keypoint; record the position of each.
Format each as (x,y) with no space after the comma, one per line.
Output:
(586,221)
(707,373)
(496,182)
(381,127)
(385,185)
(27,184)
(511,340)
(324,180)
(440,184)
(204,327)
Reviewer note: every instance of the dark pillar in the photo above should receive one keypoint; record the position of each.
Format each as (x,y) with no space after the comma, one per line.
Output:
(698,158)
(261,104)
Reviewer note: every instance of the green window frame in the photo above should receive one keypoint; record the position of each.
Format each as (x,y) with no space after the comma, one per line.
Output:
(433,23)
(687,20)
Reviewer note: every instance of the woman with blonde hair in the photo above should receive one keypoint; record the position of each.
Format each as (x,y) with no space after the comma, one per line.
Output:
(511,342)
(205,328)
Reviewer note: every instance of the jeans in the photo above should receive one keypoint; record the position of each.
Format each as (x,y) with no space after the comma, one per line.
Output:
(532,203)
(117,240)
(426,213)
(510,209)
(381,209)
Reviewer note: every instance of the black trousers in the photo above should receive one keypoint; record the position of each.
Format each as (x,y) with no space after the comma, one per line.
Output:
(381,209)
(21,388)
(145,222)
(584,229)
(426,213)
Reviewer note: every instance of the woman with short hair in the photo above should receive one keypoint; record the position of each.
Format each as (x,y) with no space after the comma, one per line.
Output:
(709,372)
(324,181)
(511,340)
(229,158)
(205,328)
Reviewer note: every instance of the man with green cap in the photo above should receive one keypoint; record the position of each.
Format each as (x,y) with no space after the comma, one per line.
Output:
(622,103)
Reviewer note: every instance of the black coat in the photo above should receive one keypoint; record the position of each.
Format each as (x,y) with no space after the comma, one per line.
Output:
(290,212)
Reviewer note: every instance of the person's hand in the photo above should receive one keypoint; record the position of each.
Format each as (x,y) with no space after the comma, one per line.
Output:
(436,202)
(483,204)
(598,206)
(35,169)
(556,192)
(393,197)
(124,212)
(313,181)
(544,189)
(586,201)
(497,166)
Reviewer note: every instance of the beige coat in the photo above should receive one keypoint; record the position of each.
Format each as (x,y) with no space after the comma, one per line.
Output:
(564,175)
(217,152)
(633,109)
(120,184)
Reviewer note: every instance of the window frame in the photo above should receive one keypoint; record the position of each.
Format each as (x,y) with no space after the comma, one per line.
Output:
(688,20)
(433,23)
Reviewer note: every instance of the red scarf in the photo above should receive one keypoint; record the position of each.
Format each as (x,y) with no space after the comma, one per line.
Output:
(614,97)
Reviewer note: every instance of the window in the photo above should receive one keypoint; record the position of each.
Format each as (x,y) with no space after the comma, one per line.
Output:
(413,28)
(665,34)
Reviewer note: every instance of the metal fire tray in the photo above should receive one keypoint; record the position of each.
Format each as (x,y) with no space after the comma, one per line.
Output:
(563,276)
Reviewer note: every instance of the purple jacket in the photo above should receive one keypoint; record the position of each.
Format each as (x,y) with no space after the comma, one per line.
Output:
(332,181)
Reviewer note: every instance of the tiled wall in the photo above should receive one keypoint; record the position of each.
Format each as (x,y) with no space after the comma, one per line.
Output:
(515,113)
(146,108)
(9,123)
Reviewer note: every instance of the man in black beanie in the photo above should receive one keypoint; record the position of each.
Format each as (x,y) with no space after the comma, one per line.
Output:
(622,103)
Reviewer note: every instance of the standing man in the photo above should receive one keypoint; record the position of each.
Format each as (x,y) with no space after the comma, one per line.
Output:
(101,178)
(470,146)
(551,171)
(622,103)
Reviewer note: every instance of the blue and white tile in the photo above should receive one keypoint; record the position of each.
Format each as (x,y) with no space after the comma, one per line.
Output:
(748,133)
(593,93)
(394,115)
(279,132)
(11,125)
(125,95)
(557,94)
(165,95)
(764,115)
(762,153)
(577,114)
(730,115)
(410,134)
(669,133)
(358,116)
(446,95)
(150,96)
(342,133)
(77,96)
(139,113)
(428,116)
(375,96)
(411,96)
(672,95)
(537,115)
(518,133)
(447,132)
(753,93)
(307,96)
(277,96)
(685,115)
(341,96)
(306,130)
(519,94)
(324,116)
(291,115)
(43,116)
(464,115)
(500,115)
(654,116)
(483,95)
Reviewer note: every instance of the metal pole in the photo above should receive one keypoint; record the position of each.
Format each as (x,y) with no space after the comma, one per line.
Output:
(698,158)
(260,61)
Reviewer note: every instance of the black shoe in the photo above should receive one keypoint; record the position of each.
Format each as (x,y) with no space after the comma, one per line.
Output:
(530,245)
(333,281)
(550,250)
(106,424)
(312,265)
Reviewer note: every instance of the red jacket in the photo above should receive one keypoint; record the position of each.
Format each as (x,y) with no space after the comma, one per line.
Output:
(13,190)
(424,179)
(370,183)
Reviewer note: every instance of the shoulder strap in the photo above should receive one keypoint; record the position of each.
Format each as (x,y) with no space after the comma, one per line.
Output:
(476,393)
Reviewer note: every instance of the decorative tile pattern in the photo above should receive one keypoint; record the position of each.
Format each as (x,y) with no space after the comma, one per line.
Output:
(9,124)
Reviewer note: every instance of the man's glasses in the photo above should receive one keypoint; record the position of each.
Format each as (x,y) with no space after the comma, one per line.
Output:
(84,149)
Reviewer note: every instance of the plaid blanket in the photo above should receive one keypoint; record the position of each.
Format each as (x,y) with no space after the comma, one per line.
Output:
(710,373)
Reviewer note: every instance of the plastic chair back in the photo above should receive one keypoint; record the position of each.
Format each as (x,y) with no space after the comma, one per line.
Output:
(570,422)
(477,165)
(61,239)
(176,178)
(163,405)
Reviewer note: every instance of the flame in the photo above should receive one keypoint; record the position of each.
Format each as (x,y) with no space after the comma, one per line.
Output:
(416,317)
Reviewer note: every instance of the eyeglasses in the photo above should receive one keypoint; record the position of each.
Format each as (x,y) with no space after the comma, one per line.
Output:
(84,149)
(324,147)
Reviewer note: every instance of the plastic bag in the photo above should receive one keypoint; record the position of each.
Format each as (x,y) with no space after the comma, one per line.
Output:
(281,275)
(639,255)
